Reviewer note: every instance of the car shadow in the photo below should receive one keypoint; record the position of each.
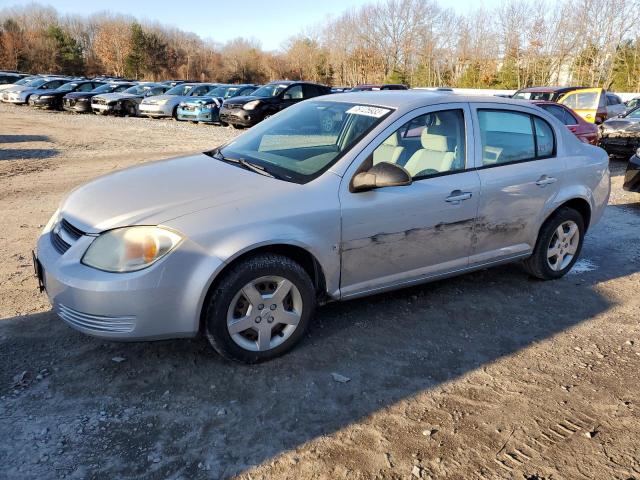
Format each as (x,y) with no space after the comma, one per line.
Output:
(27,153)
(159,410)
(23,138)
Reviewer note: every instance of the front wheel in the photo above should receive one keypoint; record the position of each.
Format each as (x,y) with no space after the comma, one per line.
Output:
(260,309)
(558,246)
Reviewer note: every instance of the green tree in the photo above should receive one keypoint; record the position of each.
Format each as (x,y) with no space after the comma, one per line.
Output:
(135,61)
(68,57)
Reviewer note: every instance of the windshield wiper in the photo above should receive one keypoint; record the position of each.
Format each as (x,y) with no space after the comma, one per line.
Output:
(244,163)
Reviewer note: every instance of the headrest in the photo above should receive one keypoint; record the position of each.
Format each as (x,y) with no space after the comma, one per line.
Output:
(437,143)
(392,140)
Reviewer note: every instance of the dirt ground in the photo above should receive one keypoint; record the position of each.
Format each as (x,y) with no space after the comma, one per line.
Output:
(489,375)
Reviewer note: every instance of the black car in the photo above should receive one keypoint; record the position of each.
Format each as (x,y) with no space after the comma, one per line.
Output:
(632,177)
(80,102)
(621,135)
(269,99)
(53,99)
(369,87)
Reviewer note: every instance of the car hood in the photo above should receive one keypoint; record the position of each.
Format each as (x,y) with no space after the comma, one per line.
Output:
(156,192)
(241,100)
(80,95)
(155,98)
(115,96)
(622,124)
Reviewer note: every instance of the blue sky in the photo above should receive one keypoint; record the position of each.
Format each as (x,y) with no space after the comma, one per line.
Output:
(269,21)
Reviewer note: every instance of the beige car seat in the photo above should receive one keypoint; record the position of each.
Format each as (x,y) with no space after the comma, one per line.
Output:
(434,154)
(388,151)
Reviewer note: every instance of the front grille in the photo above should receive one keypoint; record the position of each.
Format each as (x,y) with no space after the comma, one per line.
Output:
(99,101)
(64,235)
(231,106)
(189,108)
(96,323)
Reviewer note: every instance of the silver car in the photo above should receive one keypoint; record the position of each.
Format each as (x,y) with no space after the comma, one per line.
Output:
(167,105)
(242,242)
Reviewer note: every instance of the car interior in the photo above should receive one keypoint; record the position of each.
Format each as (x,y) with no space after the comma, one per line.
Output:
(427,145)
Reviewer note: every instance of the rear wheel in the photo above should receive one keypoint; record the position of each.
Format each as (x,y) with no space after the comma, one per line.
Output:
(260,309)
(130,109)
(559,245)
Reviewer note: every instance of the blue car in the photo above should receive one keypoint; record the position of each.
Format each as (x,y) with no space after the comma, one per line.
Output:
(207,107)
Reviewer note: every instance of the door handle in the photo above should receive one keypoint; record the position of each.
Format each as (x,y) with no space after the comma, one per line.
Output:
(458,196)
(545,180)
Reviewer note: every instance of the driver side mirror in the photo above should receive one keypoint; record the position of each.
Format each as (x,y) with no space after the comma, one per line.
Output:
(383,174)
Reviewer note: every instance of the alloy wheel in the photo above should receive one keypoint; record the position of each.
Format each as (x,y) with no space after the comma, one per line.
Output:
(563,245)
(264,313)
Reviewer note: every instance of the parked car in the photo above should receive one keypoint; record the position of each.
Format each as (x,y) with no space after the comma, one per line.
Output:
(20,95)
(631,105)
(595,105)
(552,94)
(127,101)
(173,83)
(585,131)
(166,105)
(80,102)
(241,242)
(632,176)
(267,101)
(19,84)
(10,78)
(53,99)
(340,89)
(367,87)
(207,108)
(621,135)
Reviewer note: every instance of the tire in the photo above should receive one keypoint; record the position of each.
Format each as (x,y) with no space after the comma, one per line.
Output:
(224,124)
(174,114)
(554,256)
(130,110)
(259,336)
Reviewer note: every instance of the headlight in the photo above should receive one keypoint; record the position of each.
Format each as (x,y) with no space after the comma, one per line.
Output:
(130,249)
(251,105)
(161,102)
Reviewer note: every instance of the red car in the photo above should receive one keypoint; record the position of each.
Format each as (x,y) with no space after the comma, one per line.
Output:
(585,131)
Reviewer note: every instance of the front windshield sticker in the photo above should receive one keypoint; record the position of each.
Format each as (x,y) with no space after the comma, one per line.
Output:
(375,112)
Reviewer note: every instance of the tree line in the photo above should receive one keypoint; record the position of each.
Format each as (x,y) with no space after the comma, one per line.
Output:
(417,42)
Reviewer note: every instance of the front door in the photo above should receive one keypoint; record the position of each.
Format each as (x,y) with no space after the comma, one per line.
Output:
(589,103)
(397,235)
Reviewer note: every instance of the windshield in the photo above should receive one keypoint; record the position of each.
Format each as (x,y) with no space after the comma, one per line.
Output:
(104,88)
(217,92)
(37,82)
(533,95)
(137,89)
(271,90)
(634,113)
(303,141)
(582,100)
(24,81)
(182,90)
(67,87)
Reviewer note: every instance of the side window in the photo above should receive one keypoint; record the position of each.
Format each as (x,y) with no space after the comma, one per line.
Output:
(294,93)
(509,136)
(544,138)
(121,88)
(85,87)
(569,118)
(557,112)
(431,144)
(310,91)
(199,91)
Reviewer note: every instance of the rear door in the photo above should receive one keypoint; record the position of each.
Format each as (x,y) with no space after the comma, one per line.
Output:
(520,173)
(589,103)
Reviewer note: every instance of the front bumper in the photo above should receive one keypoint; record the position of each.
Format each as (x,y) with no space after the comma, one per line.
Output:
(632,177)
(17,99)
(156,111)
(102,109)
(208,115)
(162,301)
(42,102)
(72,105)
(620,145)
(239,116)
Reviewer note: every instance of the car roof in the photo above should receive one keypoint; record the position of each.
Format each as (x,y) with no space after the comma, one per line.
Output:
(410,99)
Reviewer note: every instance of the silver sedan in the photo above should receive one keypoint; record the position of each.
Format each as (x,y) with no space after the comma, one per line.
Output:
(242,242)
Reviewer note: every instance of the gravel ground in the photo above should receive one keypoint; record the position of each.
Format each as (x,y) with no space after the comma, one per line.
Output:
(489,375)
